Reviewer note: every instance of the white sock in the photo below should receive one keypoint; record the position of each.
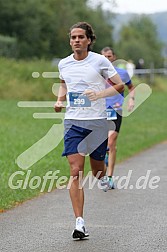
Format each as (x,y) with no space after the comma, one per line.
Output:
(79,221)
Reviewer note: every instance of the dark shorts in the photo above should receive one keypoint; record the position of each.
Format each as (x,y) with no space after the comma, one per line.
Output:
(115,125)
(86,137)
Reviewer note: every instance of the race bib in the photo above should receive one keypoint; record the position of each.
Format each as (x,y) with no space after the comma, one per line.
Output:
(111,114)
(79,100)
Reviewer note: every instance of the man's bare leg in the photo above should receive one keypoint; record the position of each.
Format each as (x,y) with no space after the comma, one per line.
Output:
(76,162)
(112,140)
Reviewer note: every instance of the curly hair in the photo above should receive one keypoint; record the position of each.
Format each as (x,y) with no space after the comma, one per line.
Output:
(88,31)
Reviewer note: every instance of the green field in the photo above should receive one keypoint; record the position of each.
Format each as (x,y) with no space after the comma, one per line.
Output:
(19,130)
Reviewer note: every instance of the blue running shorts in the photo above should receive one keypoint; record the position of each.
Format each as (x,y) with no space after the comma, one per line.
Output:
(87,137)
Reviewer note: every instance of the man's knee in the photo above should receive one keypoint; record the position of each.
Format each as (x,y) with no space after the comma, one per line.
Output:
(112,140)
(76,171)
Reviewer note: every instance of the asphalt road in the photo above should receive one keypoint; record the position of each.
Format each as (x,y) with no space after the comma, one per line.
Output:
(131,218)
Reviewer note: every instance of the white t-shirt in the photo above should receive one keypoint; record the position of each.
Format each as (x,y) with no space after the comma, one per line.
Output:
(80,75)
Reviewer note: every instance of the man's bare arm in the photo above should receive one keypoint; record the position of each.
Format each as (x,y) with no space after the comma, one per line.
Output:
(61,97)
(118,87)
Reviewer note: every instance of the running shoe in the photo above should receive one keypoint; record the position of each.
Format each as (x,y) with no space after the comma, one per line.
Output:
(104,183)
(111,184)
(80,231)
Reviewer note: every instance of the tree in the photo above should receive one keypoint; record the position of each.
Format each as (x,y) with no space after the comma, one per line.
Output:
(41,27)
(23,20)
(138,40)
